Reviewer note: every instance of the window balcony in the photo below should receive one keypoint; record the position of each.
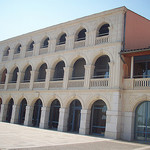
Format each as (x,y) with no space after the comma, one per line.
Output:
(17,55)
(5,58)
(136,84)
(29,53)
(79,44)
(56,84)
(75,83)
(11,86)
(39,85)
(100,83)
(2,86)
(60,47)
(102,40)
(24,85)
(43,50)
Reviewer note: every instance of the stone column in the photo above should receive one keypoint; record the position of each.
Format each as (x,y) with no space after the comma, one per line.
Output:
(111,74)
(44,117)
(3,112)
(23,51)
(11,54)
(69,42)
(18,80)
(63,119)
(1,56)
(6,81)
(52,44)
(36,48)
(67,75)
(113,117)
(28,116)
(132,64)
(89,69)
(32,78)
(85,121)
(15,114)
(91,37)
(128,126)
(47,78)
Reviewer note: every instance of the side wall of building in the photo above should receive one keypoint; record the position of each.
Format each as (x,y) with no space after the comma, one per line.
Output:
(137,31)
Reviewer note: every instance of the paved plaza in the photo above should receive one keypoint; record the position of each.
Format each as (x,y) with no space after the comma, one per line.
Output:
(17,137)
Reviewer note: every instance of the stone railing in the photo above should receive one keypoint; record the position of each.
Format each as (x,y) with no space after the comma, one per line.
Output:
(24,85)
(11,86)
(102,39)
(75,83)
(55,84)
(5,58)
(43,50)
(138,83)
(100,83)
(39,85)
(60,47)
(16,56)
(2,86)
(29,53)
(79,44)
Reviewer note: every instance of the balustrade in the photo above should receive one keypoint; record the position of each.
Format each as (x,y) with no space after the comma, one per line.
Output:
(43,50)
(11,86)
(101,40)
(24,85)
(39,85)
(5,58)
(75,83)
(55,84)
(29,54)
(78,44)
(60,47)
(104,82)
(16,56)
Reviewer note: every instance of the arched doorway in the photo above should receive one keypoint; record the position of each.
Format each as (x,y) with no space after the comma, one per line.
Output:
(22,111)
(9,110)
(74,116)
(98,118)
(54,115)
(142,121)
(37,113)
(0,104)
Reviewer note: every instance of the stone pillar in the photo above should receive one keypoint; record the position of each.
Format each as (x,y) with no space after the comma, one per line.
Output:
(6,81)
(91,37)
(3,112)
(23,51)
(52,44)
(128,126)
(18,80)
(1,56)
(11,54)
(44,117)
(67,75)
(49,48)
(85,121)
(28,116)
(36,48)
(132,64)
(47,78)
(89,69)
(32,78)
(63,119)
(111,74)
(15,114)
(69,42)
(113,117)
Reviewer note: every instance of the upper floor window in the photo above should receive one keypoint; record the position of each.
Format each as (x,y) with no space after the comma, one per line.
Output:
(6,52)
(18,49)
(104,30)
(14,75)
(27,74)
(102,67)
(142,66)
(3,76)
(62,39)
(45,43)
(42,73)
(81,35)
(31,45)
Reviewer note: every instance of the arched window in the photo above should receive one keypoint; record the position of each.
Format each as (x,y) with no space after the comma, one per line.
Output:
(74,116)
(22,111)
(18,49)
(0,104)
(59,71)
(42,72)
(102,67)
(78,69)
(142,122)
(98,118)
(81,35)
(9,110)
(45,43)
(37,113)
(31,45)
(54,114)
(104,30)
(62,39)
(27,74)
(6,52)
(14,76)
(3,76)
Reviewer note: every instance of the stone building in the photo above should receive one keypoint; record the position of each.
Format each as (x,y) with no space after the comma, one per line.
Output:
(87,76)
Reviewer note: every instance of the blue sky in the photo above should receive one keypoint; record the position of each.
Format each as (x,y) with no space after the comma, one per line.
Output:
(22,16)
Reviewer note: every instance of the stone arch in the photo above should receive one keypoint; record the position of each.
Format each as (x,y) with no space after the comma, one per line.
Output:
(44,42)
(78,31)
(6,51)
(3,73)
(17,48)
(71,98)
(30,45)
(61,38)
(93,99)
(35,99)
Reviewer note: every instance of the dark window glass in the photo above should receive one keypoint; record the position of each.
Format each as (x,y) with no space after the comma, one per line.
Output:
(27,74)
(9,110)
(14,76)
(104,30)
(31,46)
(42,72)
(81,35)
(62,39)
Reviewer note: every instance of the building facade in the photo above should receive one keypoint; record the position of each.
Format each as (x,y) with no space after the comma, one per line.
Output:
(84,76)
